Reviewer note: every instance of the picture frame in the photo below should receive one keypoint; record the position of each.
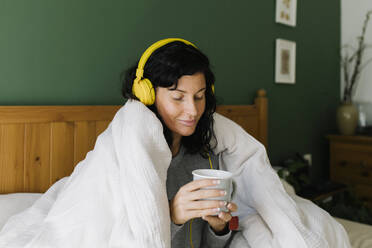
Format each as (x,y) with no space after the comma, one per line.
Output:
(286,12)
(285,61)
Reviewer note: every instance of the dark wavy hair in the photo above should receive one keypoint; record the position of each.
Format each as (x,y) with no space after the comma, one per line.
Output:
(163,68)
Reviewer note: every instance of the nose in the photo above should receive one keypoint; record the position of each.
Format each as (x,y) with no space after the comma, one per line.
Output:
(190,108)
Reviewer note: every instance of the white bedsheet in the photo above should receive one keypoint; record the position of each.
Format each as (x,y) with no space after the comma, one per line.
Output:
(360,234)
(11,204)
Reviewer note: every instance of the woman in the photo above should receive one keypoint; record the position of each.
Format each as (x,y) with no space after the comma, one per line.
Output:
(116,196)
(184,103)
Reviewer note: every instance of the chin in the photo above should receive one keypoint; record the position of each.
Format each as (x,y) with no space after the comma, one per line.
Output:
(187,132)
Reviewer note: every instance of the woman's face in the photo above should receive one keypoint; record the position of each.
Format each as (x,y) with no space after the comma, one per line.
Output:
(182,108)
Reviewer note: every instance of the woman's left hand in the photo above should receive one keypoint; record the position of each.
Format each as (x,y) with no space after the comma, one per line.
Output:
(218,223)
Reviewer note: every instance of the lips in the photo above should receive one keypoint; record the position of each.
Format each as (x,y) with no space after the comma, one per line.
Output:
(188,123)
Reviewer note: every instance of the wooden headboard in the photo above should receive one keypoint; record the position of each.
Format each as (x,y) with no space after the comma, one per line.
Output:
(41,144)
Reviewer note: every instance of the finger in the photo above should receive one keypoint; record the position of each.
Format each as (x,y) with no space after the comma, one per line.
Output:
(225,216)
(213,220)
(205,194)
(197,184)
(232,207)
(206,204)
(204,212)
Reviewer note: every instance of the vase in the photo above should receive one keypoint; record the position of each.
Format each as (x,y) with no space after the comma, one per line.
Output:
(347,118)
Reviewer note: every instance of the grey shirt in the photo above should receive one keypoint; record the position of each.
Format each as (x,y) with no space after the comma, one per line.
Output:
(180,173)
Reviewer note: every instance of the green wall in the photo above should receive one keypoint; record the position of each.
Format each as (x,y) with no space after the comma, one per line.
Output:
(72,52)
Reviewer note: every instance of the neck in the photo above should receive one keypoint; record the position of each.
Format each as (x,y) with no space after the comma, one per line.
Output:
(176,143)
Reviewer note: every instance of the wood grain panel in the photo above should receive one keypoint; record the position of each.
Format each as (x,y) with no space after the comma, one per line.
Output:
(101,126)
(37,157)
(62,150)
(245,115)
(261,102)
(32,114)
(248,124)
(12,158)
(84,139)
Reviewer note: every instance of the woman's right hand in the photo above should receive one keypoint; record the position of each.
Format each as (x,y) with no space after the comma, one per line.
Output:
(186,205)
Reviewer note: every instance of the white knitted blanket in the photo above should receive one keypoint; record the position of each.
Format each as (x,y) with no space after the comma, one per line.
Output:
(116,196)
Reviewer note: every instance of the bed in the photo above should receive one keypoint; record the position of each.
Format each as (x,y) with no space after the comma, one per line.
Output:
(360,235)
(41,144)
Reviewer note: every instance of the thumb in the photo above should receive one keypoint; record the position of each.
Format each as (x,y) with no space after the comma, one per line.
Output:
(212,220)
(205,218)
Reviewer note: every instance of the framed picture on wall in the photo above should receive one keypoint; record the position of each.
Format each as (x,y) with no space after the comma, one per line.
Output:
(286,12)
(285,61)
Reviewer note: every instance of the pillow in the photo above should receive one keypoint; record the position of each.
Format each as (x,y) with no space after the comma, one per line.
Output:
(11,204)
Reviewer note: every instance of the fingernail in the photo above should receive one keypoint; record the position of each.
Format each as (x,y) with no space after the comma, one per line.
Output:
(217,210)
(223,203)
(223,192)
(216,182)
(229,206)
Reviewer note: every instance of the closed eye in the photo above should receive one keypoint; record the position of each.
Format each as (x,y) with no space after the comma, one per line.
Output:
(196,98)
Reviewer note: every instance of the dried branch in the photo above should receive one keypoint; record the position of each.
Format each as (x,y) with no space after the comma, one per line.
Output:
(346,79)
(352,65)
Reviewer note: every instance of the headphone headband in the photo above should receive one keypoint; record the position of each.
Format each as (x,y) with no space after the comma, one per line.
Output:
(145,56)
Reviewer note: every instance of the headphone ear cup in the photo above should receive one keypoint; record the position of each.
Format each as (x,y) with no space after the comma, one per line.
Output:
(144,91)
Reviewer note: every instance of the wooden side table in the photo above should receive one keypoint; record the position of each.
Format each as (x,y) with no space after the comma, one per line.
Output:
(351,163)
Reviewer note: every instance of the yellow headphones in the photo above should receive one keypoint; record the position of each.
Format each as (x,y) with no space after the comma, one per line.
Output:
(142,87)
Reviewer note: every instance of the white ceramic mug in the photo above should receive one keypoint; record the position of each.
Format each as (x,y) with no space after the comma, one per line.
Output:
(226,183)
